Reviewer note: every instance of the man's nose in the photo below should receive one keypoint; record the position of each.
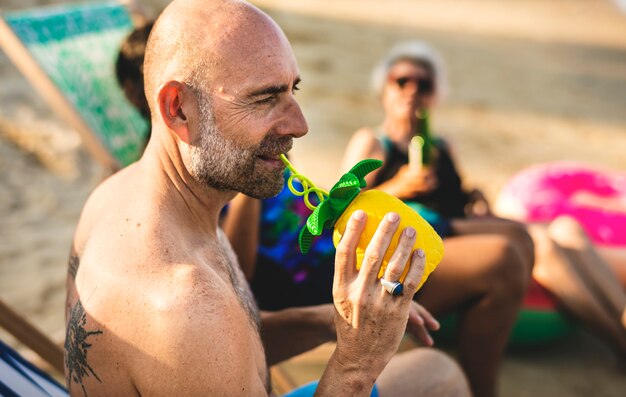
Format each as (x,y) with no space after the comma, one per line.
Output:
(294,123)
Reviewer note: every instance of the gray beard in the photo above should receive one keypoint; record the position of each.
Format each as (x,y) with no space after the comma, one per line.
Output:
(224,165)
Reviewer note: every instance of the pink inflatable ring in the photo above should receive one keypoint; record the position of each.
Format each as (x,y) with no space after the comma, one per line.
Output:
(595,198)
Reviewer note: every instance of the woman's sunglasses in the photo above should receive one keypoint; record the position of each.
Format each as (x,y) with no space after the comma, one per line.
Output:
(424,85)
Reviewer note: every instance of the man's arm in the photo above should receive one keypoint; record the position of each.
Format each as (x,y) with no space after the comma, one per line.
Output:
(287,333)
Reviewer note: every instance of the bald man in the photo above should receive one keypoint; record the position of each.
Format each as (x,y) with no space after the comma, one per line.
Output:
(156,303)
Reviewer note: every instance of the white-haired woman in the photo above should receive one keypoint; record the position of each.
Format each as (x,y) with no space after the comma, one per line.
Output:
(483,276)
(410,80)
(488,260)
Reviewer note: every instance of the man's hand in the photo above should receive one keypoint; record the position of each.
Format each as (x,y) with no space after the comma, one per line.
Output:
(420,322)
(370,322)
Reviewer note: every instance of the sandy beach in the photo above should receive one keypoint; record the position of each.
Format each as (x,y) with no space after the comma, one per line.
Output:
(530,82)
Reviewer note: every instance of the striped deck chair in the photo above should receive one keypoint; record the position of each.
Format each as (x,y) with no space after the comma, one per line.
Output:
(20,378)
(68,52)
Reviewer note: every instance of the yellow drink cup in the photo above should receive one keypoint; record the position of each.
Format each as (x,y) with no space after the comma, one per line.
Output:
(376,204)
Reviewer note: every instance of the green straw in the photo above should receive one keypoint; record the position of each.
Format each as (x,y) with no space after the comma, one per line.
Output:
(307,186)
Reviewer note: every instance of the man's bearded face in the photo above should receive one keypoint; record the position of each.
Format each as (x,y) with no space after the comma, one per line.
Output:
(223,164)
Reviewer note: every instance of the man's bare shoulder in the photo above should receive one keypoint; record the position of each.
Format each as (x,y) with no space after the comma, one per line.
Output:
(122,222)
(108,200)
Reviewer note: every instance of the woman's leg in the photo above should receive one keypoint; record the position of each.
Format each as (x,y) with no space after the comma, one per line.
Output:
(484,279)
(569,235)
(561,272)
(515,231)
(616,258)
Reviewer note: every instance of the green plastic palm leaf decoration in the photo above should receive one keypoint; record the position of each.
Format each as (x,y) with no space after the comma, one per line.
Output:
(339,198)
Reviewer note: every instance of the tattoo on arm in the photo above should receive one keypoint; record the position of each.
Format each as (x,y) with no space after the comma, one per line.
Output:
(73,264)
(76,346)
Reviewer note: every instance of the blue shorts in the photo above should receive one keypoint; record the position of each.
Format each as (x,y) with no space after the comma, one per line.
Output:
(308,390)
(440,223)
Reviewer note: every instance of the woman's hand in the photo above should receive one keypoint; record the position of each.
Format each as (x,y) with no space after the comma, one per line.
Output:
(408,182)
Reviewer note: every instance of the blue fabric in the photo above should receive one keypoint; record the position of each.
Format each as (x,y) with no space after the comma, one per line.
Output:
(441,224)
(308,390)
(18,377)
(284,277)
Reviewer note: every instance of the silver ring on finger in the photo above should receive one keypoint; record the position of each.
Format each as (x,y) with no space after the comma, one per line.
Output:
(394,288)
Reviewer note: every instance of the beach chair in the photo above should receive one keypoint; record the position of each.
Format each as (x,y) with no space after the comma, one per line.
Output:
(18,377)
(30,336)
(68,52)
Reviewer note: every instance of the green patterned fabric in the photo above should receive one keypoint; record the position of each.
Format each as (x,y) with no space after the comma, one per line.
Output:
(76,46)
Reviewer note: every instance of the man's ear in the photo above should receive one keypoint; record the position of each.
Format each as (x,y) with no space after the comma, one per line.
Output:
(170,99)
